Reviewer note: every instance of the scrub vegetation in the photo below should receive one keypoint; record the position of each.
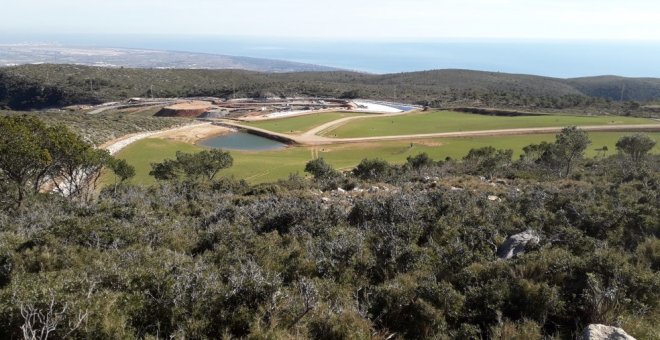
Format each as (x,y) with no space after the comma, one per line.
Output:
(100,128)
(414,250)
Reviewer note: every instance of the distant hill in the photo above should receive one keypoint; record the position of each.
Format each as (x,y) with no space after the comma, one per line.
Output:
(482,81)
(35,86)
(606,87)
(618,88)
(11,55)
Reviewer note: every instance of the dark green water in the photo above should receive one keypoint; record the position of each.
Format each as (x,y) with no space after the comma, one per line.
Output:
(242,141)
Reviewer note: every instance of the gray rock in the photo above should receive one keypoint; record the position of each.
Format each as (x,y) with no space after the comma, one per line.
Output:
(602,332)
(516,244)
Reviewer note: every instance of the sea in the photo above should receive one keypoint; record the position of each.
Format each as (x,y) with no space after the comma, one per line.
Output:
(553,58)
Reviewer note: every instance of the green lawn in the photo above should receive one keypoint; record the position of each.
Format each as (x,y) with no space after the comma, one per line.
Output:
(267,166)
(144,152)
(349,155)
(446,121)
(300,124)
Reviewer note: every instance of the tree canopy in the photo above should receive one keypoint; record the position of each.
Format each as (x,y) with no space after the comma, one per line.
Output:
(636,146)
(202,165)
(35,157)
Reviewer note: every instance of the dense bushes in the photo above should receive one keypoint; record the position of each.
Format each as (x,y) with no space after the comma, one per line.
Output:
(418,263)
(414,256)
(99,128)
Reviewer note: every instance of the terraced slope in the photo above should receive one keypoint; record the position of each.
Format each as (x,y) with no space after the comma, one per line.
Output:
(449,121)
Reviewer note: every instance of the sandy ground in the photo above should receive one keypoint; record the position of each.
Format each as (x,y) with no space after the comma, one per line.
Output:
(188,133)
(195,133)
(190,105)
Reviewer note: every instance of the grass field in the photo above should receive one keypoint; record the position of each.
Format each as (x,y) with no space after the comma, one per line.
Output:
(144,152)
(446,121)
(300,124)
(259,167)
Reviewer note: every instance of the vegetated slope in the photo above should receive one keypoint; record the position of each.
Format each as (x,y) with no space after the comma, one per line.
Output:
(483,81)
(100,128)
(139,58)
(38,86)
(618,88)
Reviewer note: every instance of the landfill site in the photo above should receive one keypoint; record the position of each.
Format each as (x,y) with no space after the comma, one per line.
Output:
(248,108)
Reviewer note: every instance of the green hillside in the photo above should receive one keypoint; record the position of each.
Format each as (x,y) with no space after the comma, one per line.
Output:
(448,121)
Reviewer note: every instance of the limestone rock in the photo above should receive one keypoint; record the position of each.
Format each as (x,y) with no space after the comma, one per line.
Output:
(603,332)
(516,244)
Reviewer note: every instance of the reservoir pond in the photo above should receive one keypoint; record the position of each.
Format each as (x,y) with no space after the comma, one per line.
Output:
(242,141)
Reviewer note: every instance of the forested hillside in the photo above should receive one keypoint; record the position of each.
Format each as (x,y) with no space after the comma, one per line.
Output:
(39,86)
(618,88)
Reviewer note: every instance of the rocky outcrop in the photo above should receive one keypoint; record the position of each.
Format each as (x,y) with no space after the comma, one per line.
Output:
(602,332)
(517,243)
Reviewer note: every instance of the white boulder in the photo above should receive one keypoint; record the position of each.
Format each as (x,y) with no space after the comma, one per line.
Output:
(516,244)
(603,332)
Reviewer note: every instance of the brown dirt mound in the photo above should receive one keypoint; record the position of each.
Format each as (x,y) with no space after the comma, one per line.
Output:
(185,109)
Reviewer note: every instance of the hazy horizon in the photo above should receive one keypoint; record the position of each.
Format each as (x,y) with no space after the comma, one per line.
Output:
(558,38)
(343,19)
(555,58)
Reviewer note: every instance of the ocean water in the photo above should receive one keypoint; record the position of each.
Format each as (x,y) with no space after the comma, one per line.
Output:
(563,59)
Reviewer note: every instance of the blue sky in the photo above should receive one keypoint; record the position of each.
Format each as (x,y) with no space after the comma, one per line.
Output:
(341,19)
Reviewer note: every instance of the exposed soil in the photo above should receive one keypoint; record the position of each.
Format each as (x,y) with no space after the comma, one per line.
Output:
(194,133)
(189,134)
(185,109)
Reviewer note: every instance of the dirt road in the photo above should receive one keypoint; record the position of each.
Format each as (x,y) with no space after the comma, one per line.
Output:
(336,123)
